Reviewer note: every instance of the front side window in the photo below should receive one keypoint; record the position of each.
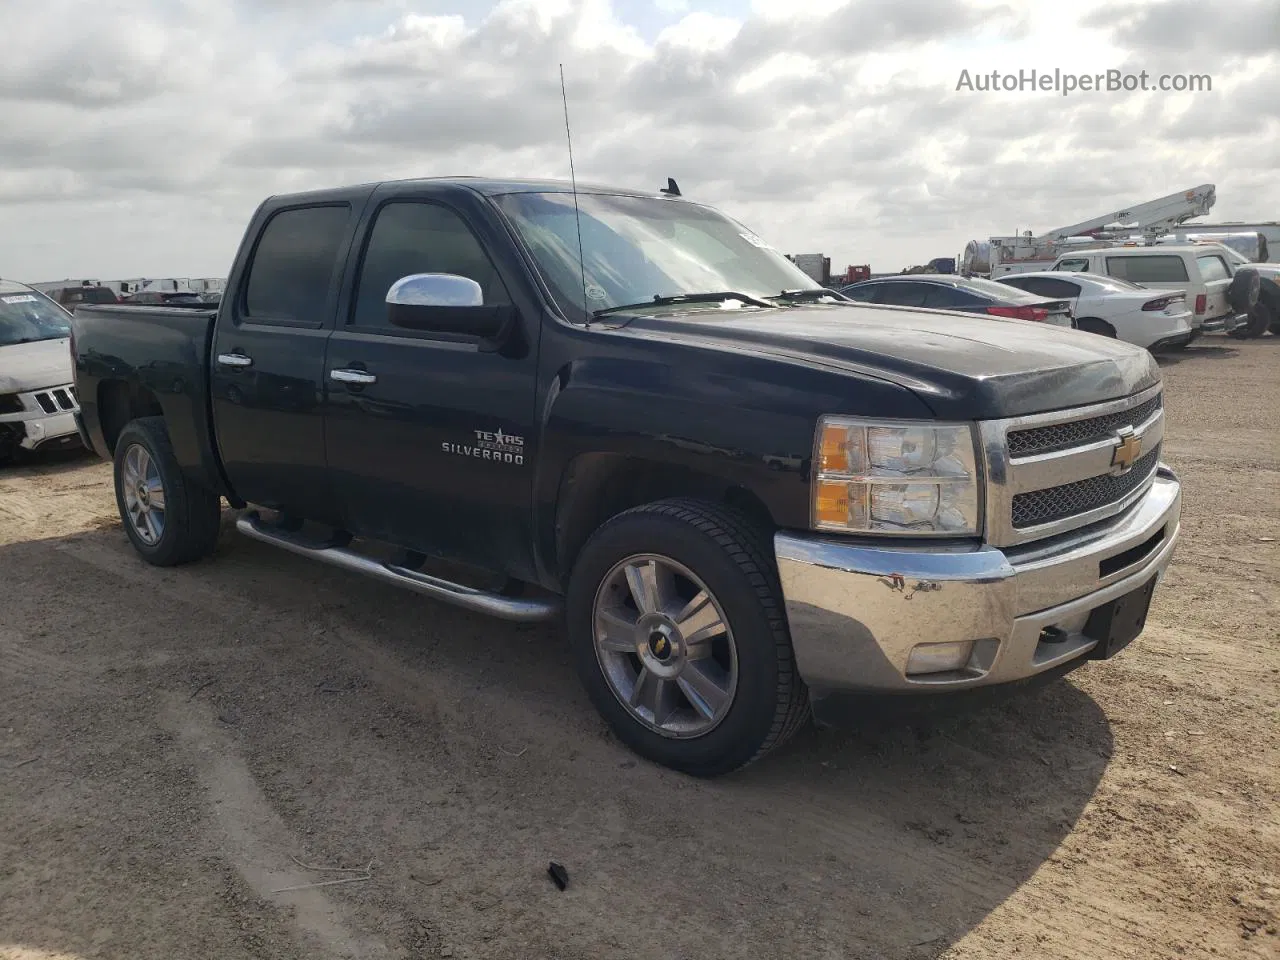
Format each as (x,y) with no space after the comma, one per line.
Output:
(637,248)
(28,316)
(413,237)
(294,264)
(1148,269)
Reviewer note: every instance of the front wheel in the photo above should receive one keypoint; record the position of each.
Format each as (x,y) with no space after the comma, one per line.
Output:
(169,519)
(680,638)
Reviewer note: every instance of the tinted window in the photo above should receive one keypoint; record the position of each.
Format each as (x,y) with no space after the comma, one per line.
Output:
(412,238)
(1080,265)
(294,264)
(1148,269)
(905,294)
(1212,267)
(1047,287)
(942,297)
(862,291)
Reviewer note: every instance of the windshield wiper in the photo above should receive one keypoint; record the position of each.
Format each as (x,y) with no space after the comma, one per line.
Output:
(660,301)
(795,296)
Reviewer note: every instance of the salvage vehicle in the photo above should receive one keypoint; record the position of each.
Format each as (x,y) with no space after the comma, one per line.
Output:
(747,499)
(1222,292)
(1155,319)
(37,397)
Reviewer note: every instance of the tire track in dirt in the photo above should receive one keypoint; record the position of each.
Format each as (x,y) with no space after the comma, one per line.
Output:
(254,840)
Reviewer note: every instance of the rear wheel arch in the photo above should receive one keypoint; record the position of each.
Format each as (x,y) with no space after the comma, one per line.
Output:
(119,403)
(1096,325)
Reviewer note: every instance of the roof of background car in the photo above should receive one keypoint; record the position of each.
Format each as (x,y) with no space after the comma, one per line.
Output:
(489,186)
(1152,251)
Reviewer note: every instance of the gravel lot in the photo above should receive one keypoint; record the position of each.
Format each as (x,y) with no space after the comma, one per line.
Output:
(177,746)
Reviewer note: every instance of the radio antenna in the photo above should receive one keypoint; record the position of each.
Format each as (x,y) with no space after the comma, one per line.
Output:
(577,214)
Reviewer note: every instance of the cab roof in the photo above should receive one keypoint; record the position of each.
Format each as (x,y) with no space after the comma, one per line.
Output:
(486,186)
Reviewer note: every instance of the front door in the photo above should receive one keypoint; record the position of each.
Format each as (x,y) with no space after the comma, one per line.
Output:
(268,360)
(434,449)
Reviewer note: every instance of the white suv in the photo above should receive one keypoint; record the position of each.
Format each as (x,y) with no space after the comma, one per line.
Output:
(1206,272)
(37,398)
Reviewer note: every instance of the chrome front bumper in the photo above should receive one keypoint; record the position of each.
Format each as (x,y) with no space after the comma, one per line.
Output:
(857,608)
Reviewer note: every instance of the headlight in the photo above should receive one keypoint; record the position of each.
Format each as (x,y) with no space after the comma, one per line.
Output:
(907,478)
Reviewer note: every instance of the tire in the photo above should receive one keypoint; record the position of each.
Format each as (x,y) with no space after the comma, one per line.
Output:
(1261,319)
(185,526)
(1244,289)
(1094,325)
(732,560)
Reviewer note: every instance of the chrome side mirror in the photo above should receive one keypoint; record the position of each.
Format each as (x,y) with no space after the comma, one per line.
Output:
(449,305)
(435,290)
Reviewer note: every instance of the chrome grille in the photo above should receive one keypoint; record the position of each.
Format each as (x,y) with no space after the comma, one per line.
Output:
(1051,473)
(1071,499)
(1076,433)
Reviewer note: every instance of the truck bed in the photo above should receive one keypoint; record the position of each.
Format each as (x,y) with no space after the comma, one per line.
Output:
(158,351)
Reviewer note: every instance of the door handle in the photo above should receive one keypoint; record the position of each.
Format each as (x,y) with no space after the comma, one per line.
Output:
(234,360)
(359,377)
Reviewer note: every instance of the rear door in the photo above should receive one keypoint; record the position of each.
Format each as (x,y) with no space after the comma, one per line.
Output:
(268,357)
(435,450)
(1216,276)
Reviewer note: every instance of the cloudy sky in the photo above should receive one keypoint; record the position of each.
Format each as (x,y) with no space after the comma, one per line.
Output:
(137,136)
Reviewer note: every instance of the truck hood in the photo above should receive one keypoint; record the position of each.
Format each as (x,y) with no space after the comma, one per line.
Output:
(30,366)
(962,366)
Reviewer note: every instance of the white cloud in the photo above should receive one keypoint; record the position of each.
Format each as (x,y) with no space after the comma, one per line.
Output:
(138,135)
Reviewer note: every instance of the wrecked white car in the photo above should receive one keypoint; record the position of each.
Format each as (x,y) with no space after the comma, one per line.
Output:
(37,397)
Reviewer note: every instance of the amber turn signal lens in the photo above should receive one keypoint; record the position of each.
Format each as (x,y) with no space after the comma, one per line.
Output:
(831,502)
(834,450)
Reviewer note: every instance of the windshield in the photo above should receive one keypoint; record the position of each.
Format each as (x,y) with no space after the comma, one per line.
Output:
(27,317)
(638,248)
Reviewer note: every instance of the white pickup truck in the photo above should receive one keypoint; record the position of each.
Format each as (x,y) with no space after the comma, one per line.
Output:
(37,397)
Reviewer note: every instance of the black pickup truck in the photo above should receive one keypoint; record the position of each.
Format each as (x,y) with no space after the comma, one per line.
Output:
(749,498)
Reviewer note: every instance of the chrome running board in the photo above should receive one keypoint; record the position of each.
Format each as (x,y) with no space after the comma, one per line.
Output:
(516,609)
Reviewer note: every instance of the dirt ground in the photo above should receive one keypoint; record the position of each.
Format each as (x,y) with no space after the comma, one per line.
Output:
(178,746)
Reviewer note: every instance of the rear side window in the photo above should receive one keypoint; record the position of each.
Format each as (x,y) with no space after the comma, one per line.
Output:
(902,294)
(1148,269)
(1080,265)
(942,297)
(294,264)
(1212,267)
(1047,287)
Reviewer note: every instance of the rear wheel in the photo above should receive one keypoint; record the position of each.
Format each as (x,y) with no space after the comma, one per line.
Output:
(679,636)
(1095,325)
(169,519)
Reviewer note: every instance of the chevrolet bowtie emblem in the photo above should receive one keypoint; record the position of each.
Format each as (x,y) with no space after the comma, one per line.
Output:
(1127,451)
